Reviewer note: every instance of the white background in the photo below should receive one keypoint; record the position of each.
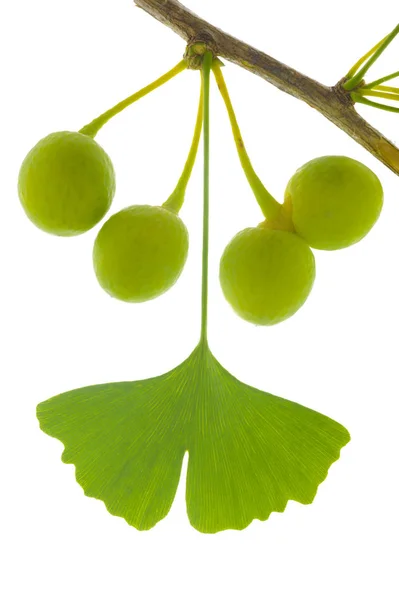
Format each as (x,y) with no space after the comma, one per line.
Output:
(63,63)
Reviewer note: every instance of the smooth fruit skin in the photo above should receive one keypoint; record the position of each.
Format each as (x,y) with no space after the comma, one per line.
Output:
(140,252)
(266,274)
(66,183)
(334,201)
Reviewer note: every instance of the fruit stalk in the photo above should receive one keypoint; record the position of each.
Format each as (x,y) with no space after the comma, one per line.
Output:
(92,128)
(269,206)
(176,199)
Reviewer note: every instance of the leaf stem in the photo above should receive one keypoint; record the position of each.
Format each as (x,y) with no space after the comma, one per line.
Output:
(356,79)
(379,94)
(363,59)
(269,206)
(92,128)
(386,88)
(375,83)
(176,199)
(363,100)
(206,69)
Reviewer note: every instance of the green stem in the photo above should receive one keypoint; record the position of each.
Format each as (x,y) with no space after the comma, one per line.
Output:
(379,94)
(381,80)
(359,63)
(387,88)
(354,81)
(269,206)
(92,128)
(176,199)
(362,100)
(206,69)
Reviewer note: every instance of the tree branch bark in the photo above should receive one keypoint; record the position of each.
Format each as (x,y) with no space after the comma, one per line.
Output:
(332,102)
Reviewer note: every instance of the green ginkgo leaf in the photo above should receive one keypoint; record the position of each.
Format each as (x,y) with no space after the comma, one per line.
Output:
(249,452)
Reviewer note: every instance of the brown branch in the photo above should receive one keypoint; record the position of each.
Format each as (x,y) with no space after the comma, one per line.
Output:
(332,102)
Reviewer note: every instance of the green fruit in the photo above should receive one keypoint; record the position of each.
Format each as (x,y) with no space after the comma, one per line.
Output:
(66,183)
(266,274)
(140,252)
(334,201)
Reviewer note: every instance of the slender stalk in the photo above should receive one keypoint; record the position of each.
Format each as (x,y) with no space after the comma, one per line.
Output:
(354,81)
(206,69)
(379,94)
(92,128)
(359,63)
(269,206)
(373,84)
(386,88)
(176,199)
(363,100)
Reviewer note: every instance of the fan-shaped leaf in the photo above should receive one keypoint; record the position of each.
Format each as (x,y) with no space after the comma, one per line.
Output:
(249,452)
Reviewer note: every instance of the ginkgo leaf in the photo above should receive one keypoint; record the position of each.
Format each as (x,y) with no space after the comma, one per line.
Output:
(249,452)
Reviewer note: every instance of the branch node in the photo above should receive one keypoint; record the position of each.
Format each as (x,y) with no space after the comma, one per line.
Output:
(195,51)
(343,95)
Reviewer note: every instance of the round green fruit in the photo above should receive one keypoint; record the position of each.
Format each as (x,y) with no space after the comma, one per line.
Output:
(66,183)
(266,274)
(140,252)
(334,201)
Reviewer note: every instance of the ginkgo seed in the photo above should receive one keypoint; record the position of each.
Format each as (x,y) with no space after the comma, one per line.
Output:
(266,274)
(140,252)
(334,201)
(66,183)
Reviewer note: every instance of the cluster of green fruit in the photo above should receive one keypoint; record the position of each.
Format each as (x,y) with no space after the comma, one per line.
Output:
(67,183)
(267,272)
(66,186)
